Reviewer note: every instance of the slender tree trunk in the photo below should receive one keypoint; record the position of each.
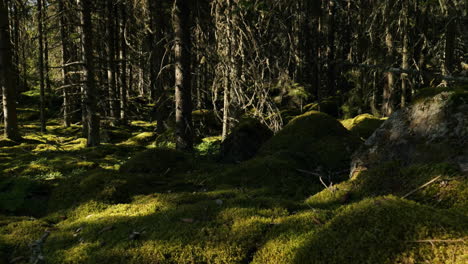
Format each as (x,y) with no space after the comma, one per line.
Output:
(123,61)
(48,88)
(405,55)
(7,76)
(156,61)
(183,96)
(65,59)
(388,93)
(40,22)
(111,69)
(450,38)
(90,96)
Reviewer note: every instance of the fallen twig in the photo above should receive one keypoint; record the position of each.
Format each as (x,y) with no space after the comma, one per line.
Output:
(36,248)
(422,186)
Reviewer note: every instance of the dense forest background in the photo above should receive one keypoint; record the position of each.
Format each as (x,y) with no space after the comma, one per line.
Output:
(103,60)
(234,131)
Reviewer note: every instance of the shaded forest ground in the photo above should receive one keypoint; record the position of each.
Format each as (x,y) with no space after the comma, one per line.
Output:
(136,200)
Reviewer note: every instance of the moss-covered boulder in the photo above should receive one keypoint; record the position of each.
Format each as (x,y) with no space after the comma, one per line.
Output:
(206,122)
(245,140)
(328,105)
(363,125)
(319,139)
(158,160)
(432,130)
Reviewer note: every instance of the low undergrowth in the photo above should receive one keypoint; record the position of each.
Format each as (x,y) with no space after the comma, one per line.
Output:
(130,201)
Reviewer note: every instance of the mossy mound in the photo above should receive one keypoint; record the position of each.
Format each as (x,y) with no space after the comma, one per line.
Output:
(277,174)
(244,141)
(363,125)
(329,106)
(158,160)
(205,122)
(319,139)
(388,230)
(446,187)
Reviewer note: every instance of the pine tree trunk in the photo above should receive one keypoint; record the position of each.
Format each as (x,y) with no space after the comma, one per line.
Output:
(40,23)
(65,59)
(123,61)
(90,96)
(183,97)
(7,79)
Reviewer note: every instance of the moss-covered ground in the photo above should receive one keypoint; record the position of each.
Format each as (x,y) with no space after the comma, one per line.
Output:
(136,200)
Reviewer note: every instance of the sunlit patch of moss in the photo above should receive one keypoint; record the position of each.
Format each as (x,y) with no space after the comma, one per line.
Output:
(143,124)
(363,125)
(143,138)
(16,234)
(209,146)
(448,191)
(288,235)
(381,229)
(28,114)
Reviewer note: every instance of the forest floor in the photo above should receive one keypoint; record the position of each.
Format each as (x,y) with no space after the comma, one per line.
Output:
(90,206)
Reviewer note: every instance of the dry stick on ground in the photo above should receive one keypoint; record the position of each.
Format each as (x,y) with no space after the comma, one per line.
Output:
(320,178)
(422,186)
(36,248)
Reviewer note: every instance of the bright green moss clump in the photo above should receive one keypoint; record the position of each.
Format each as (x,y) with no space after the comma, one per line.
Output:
(363,125)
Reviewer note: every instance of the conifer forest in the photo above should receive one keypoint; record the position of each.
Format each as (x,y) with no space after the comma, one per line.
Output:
(234,131)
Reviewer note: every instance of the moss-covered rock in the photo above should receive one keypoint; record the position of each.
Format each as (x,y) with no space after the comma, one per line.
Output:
(318,138)
(432,130)
(388,230)
(329,106)
(158,160)
(244,140)
(363,125)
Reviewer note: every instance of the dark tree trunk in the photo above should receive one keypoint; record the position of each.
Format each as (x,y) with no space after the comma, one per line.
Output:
(183,96)
(90,95)
(157,60)
(111,61)
(7,76)
(40,23)
(123,61)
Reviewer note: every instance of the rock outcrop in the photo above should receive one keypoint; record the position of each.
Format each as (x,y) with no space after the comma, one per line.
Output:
(433,129)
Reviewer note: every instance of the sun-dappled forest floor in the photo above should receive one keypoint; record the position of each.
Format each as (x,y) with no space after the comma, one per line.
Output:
(135,199)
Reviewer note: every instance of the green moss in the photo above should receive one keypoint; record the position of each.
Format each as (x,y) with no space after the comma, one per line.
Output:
(141,139)
(383,230)
(158,160)
(449,191)
(423,94)
(209,146)
(245,140)
(363,125)
(329,106)
(318,138)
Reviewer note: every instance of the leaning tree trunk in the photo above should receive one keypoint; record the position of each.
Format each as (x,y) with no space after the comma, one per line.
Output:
(90,95)
(7,76)
(183,96)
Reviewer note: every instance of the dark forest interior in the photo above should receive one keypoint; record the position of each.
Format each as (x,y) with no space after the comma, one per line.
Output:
(234,131)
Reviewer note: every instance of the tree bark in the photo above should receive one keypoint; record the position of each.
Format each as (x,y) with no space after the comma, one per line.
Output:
(7,76)
(65,59)
(183,96)
(90,95)
(40,23)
